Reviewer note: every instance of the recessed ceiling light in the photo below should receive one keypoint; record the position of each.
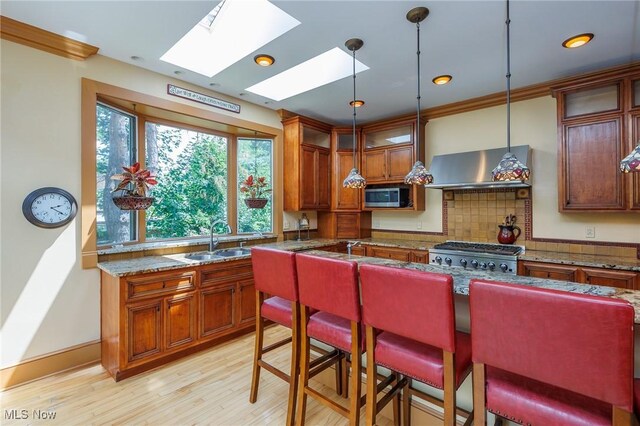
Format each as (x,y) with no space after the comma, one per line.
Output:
(325,68)
(264,60)
(442,79)
(231,31)
(577,41)
(358,103)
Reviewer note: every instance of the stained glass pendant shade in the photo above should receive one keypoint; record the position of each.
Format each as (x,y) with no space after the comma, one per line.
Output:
(418,175)
(631,163)
(354,180)
(509,168)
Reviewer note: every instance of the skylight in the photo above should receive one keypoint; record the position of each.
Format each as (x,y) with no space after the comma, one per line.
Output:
(323,69)
(231,31)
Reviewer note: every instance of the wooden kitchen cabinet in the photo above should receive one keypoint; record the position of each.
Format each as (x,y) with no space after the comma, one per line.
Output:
(389,253)
(633,179)
(610,278)
(344,224)
(548,270)
(307,164)
(597,127)
(596,276)
(153,318)
(342,153)
(419,256)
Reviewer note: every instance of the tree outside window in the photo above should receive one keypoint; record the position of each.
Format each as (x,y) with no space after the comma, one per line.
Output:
(255,159)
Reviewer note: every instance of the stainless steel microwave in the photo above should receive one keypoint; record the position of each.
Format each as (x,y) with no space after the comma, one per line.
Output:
(386,197)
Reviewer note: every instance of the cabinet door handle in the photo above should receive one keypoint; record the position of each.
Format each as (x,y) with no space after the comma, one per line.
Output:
(158,308)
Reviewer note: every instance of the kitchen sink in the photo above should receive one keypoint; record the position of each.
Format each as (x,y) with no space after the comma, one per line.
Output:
(233,252)
(203,256)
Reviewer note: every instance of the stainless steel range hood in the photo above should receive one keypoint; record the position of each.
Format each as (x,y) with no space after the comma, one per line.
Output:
(467,170)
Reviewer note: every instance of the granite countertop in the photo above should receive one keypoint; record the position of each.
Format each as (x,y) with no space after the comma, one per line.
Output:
(461,278)
(180,243)
(141,265)
(589,260)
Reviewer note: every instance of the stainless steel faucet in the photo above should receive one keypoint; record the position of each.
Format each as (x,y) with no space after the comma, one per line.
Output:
(213,244)
(350,245)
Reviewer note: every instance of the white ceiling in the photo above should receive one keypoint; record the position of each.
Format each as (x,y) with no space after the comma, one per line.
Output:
(466,39)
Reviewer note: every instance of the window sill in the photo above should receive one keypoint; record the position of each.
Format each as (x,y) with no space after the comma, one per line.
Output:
(176,246)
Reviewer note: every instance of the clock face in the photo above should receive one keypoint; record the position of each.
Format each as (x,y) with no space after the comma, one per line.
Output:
(49,207)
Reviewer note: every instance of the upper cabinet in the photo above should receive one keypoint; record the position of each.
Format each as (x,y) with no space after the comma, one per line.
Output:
(389,151)
(342,140)
(598,125)
(307,164)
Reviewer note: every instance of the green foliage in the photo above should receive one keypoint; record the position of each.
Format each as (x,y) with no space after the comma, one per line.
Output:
(191,172)
(254,158)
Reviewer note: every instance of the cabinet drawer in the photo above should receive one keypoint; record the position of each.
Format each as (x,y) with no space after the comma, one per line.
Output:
(224,272)
(154,285)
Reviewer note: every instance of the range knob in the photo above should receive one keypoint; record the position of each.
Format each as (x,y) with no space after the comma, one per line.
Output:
(491,265)
(483,265)
(474,263)
(438,260)
(463,262)
(447,260)
(504,267)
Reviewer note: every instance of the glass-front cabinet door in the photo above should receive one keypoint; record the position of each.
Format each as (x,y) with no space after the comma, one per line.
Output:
(389,137)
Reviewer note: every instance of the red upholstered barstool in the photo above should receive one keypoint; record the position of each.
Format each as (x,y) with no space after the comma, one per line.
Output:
(331,287)
(274,273)
(548,357)
(411,329)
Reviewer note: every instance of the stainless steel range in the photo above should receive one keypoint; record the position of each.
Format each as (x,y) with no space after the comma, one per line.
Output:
(482,256)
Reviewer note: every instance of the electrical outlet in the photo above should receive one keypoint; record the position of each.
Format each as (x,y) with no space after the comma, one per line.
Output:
(285,225)
(590,232)
(419,225)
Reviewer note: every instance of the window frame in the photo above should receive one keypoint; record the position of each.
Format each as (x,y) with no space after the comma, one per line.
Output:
(273,173)
(94,91)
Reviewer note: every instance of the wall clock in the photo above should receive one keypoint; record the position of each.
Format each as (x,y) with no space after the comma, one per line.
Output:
(49,207)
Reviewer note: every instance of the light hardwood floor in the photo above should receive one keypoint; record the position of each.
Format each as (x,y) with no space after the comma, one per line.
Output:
(211,387)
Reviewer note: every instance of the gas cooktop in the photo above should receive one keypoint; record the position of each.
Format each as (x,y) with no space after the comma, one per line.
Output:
(480,256)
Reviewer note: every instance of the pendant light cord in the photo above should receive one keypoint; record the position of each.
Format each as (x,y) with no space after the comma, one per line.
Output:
(508,22)
(354,110)
(418,97)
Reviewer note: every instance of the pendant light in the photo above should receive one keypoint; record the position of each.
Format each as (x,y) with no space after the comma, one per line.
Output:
(631,163)
(509,168)
(418,174)
(354,180)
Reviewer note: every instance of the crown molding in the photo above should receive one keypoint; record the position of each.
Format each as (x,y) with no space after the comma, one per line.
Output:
(28,35)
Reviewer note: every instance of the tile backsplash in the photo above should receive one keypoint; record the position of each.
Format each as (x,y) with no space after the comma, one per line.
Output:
(475,216)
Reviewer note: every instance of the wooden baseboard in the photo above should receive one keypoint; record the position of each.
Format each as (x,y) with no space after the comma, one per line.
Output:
(52,363)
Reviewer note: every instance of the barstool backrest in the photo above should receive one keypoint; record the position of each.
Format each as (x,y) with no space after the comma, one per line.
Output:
(577,342)
(329,285)
(414,304)
(274,272)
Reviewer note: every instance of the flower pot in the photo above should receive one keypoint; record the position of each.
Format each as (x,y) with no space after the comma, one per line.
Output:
(256,203)
(132,203)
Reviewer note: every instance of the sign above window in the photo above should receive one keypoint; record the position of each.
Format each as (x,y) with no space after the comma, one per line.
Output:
(201,98)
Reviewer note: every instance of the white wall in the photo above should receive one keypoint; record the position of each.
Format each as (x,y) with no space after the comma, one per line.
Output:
(47,301)
(533,123)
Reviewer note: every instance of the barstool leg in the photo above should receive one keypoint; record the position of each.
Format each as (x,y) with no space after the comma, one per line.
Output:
(257,353)
(372,379)
(304,367)
(479,403)
(449,389)
(406,403)
(295,367)
(356,373)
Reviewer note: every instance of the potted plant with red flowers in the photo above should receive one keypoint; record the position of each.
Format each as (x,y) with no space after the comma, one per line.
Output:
(255,191)
(134,184)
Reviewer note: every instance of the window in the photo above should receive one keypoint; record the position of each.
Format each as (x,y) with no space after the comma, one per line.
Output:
(192,165)
(191,170)
(255,159)
(115,147)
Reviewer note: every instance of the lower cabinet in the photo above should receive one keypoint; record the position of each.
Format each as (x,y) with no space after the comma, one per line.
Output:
(579,274)
(405,255)
(153,318)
